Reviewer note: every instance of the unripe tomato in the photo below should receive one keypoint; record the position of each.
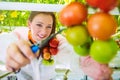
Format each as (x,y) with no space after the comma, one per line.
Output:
(81,50)
(101,25)
(48,62)
(77,35)
(103,51)
(73,14)
(45,49)
(46,55)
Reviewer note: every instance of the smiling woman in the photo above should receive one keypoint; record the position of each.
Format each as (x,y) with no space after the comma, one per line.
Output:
(33,65)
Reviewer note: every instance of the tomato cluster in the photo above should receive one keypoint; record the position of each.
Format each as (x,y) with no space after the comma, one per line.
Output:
(49,50)
(93,38)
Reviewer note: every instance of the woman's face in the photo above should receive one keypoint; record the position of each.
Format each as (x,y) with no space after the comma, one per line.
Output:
(41,26)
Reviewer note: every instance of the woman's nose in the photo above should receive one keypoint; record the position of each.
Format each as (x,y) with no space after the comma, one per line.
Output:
(43,31)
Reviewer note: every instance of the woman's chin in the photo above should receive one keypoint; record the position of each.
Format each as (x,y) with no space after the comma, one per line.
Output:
(39,39)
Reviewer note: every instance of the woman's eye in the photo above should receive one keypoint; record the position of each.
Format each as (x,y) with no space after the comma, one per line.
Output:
(39,25)
(49,27)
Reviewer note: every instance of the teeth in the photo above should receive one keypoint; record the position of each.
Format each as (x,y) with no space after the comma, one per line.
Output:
(41,36)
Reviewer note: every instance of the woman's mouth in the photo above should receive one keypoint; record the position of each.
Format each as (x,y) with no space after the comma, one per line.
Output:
(41,37)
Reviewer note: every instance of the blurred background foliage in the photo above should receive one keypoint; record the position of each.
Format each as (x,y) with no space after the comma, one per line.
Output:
(9,19)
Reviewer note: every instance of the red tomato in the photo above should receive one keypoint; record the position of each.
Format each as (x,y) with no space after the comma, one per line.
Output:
(54,42)
(105,5)
(101,25)
(53,51)
(108,5)
(73,14)
(93,3)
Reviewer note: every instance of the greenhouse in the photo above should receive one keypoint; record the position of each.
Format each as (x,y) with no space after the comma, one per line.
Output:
(85,44)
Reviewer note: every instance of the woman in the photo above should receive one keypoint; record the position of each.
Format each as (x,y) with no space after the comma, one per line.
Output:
(18,52)
(16,48)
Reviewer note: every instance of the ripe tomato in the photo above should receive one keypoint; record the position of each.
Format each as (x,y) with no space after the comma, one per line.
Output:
(53,42)
(101,25)
(73,14)
(77,35)
(105,5)
(103,51)
(93,3)
(53,51)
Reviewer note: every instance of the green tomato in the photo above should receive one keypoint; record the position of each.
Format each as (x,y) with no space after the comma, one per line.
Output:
(81,50)
(48,62)
(77,35)
(103,51)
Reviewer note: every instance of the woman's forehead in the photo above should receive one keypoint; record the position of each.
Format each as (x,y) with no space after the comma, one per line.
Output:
(43,18)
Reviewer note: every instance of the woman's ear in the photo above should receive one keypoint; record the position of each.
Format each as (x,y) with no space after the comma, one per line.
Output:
(28,24)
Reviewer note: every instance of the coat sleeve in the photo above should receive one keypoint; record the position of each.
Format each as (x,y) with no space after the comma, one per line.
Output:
(5,40)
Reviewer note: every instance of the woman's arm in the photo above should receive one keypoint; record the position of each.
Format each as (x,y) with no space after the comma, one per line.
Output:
(13,52)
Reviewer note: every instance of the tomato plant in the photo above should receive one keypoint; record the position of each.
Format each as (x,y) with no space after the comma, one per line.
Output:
(73,14)
(101,25)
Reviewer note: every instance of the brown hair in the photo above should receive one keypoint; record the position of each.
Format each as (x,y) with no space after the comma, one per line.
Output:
(34,13)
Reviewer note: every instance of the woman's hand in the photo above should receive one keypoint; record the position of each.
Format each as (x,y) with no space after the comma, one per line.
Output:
(95,70)
(19,54)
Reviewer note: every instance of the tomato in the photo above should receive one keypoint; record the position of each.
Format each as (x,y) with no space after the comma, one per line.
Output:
(45,49)
(77,35)
(48,62)
(103,51)
(93,3)
(73,14)
(81,50)
(101,25)
(53,51)
(53,42)
(46,55)
(108,5)
(104,5)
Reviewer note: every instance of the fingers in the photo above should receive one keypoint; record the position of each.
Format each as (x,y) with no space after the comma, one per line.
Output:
(19,54)
(61,39)
(24,46)
(95,70)
(107,71)
(12,64)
